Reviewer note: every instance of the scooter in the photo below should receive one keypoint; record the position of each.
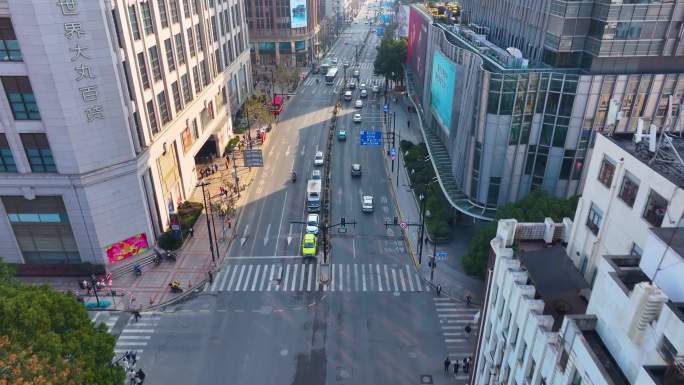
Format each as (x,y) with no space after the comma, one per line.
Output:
(156,259)
(294,177)
(137,269)
(170,255)
(175,287)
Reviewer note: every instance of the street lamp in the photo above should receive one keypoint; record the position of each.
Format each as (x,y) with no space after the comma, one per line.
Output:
(422,199)
(203,184)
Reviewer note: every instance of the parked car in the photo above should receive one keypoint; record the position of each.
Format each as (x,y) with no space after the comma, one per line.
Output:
(316,174)
(318,158)
(351,85)
(358,104)
(355,170)
(357,118)
(367,203)
(362,86)
(341,135)
(309,245)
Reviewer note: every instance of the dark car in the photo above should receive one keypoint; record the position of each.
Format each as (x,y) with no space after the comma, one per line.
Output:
(356,169)
(316,70)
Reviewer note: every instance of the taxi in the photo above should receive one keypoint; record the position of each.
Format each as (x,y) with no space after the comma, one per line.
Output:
(309,245)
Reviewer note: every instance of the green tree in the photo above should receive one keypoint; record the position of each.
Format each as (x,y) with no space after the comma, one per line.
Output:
(286,78)
(533,208)
(390,60)
(257,110)
(53,341)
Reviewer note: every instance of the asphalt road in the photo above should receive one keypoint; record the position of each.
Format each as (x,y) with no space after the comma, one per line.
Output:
(265,319)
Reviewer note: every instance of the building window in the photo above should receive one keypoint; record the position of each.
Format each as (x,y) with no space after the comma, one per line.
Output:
(530,373)
(163,107)
(163,16)
(594,219)
(667,350)
(191,43)
(20,95)
(522,351)
(180,49)
(195,7)
(7,163)
(199,36)
(635,250)
(576,378)
(154,63)
(656,206)
(629,189)
(133,19)
(154,125)
(176,96)
(144,76)
(196,79)
(38,152)
(175,17)
(147,18)
(169,55)
(606,172)
(42,229)
(187,90)
(206,78)
(9,45)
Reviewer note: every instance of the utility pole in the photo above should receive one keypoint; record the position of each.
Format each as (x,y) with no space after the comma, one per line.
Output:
(272,86)
(433,261)
(203,184)
(422,198)
(394,124)
(398,155)
(235,175)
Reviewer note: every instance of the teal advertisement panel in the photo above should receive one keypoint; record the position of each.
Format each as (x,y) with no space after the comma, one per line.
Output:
(298,18)
(442,87)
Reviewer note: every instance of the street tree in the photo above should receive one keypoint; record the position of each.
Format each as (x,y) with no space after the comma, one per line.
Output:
(51,339)
(286,77)
(390,60)
(257,110)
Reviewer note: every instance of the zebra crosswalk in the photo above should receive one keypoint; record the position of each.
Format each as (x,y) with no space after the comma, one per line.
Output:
(107,318)
(136,335)
(339,80)
(459,331)
(303,277)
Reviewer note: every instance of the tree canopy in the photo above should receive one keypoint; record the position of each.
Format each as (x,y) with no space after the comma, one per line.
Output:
(390,59)
(533,208)
(47,338)
(257,110)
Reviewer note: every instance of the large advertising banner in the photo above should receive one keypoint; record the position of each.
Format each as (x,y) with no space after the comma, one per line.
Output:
(298,14)
(442,86)
(119,251)
(403,21)
(416,52)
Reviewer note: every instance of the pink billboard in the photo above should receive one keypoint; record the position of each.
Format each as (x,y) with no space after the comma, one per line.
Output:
(119,251)
(416,51)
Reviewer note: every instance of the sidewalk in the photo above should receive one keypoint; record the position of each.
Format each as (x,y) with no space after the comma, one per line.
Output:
(448,273)
(193,262)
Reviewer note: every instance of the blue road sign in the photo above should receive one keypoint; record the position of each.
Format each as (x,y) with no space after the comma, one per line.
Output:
(393,153)
(380,31)
(385,108)
(370,138)
(441,254)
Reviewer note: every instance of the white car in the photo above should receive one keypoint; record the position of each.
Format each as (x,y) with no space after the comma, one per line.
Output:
(316,174)
(362,86)
(357,118)
(358,103)
(367,204)
(376,89)
(318,158)
(312,224)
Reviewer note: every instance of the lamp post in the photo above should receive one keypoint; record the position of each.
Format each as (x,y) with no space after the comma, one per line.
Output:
(433,260)
(422,199)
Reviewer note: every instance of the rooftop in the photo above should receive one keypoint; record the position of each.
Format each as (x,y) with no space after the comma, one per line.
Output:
(556,281)
(666,163)
(609,365)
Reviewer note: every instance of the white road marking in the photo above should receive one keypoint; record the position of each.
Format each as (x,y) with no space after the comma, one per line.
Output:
(353,249)
(137,331)
(218,277)
(270,278)
(268,230)
(387,279)
(394,279)
(287,277)
(232,277)
(301,279)
(363,277)
(408,277)
(332,277)
(239,281)
(379,280)
(420,286)
(294,277)
(308,280)
(249,274)
(225,277)
(256,277)
(401,277)
(263,278)
(356,277)
(348,278)
(280,226)
(341,270)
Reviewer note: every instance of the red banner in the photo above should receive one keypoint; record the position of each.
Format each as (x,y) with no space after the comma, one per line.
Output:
(119,251)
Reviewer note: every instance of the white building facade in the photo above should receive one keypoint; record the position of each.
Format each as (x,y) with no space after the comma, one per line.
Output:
(106,107)
(625,193)
(536,332)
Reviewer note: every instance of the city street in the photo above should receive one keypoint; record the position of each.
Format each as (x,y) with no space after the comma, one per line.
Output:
(266,319)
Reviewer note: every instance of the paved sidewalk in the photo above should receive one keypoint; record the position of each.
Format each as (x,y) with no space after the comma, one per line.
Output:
(448,273)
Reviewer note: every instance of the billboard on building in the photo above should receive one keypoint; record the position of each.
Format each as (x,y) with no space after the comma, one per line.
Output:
(442,86)
(119,251)
(403,21)
(417,48)
(298,14)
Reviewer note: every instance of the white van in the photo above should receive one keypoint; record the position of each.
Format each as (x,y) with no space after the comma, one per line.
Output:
(348,96)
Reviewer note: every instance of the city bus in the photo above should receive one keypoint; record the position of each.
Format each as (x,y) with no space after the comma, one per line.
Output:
(330,76)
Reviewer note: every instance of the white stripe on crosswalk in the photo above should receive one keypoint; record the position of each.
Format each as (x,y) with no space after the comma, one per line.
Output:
(270,279)
(294,277)
(256,278)
(301,278)
(389,288)
(137,331)
(218,278)
(225,277)
(394,279)
(332,278)
(308,283)
(356,277)
(379,281)
(363,276)
(420,286)
(403,283)
(123,337)
(263,278)
(341,270)
(249,274)
(232,277)
(348,278)
(286,279)
(408,277)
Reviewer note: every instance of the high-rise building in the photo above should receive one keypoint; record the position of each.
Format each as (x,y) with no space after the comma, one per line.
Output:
(283,32)
(511,98)
(106,107)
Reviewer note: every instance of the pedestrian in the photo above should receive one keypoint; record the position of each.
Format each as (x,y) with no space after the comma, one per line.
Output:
(439,290)
(140,375)
(457,365)
(211,279)
(230,222)
(465,365)
(136,315)
(468,329)
(447,363)
(191,231)
(468,299)
(133,358)
(131,377)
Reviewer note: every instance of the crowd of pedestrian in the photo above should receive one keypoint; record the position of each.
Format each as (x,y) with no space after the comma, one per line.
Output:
(457,365)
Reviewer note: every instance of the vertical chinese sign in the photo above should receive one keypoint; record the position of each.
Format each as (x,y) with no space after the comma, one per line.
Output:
(83,71)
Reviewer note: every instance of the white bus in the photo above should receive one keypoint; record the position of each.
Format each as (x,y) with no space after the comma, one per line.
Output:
(330,76)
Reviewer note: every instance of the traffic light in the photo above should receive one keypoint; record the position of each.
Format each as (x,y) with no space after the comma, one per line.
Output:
(343,221)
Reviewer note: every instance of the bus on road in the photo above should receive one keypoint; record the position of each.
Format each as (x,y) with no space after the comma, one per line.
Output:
(330,76)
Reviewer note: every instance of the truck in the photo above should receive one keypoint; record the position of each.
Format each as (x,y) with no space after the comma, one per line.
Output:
(313,195)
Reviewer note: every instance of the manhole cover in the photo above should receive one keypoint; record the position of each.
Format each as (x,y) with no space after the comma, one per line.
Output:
(425,379)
